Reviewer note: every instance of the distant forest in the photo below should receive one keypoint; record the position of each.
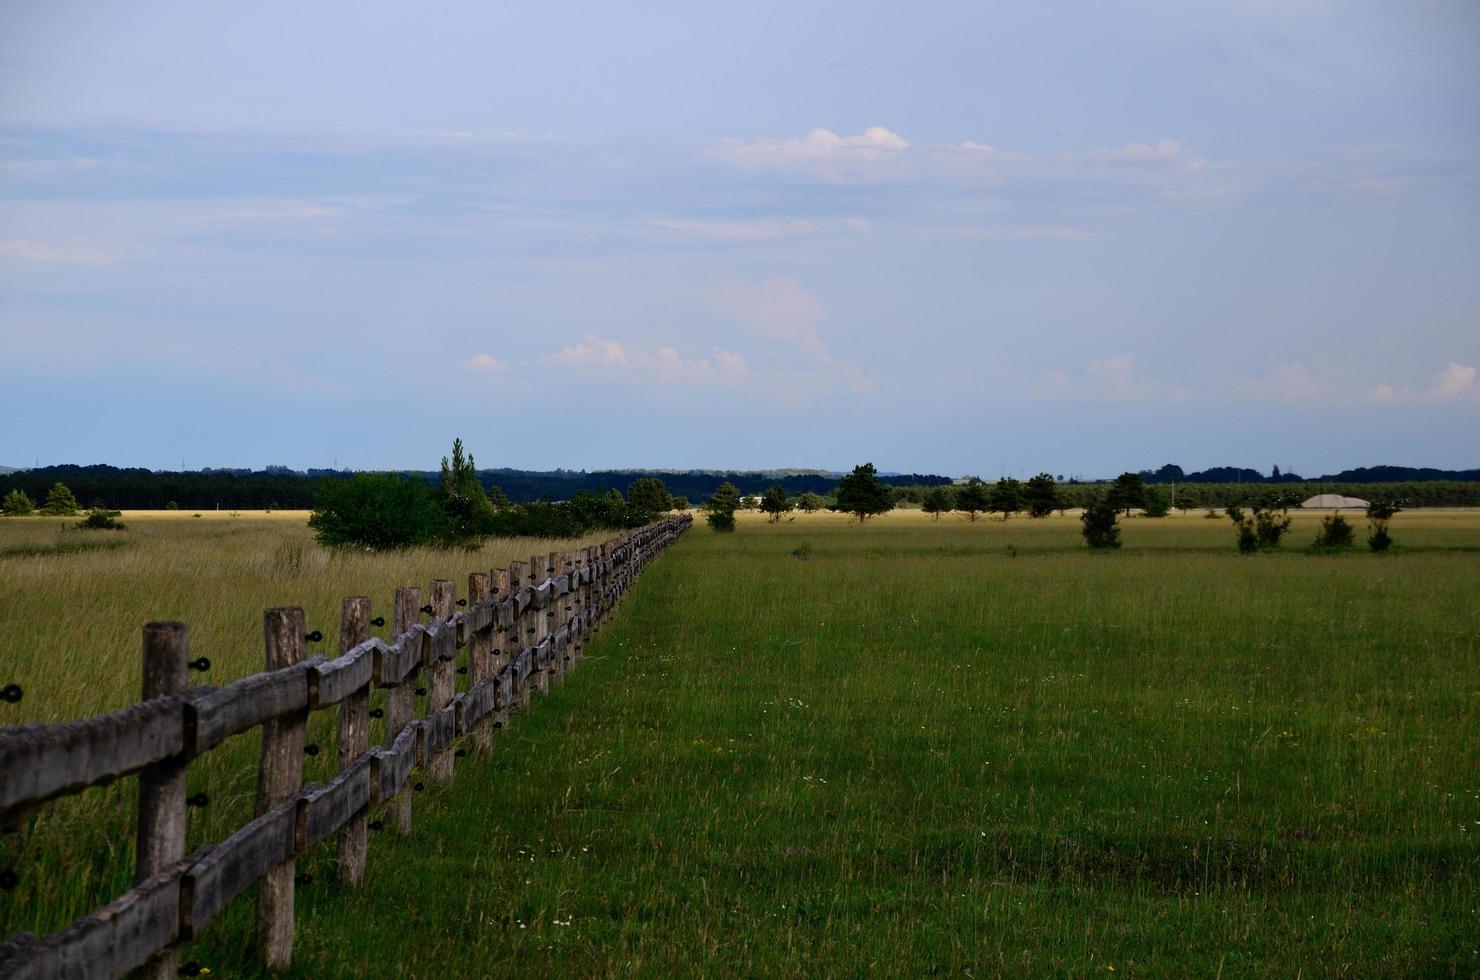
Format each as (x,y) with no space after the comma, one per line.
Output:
(280,487)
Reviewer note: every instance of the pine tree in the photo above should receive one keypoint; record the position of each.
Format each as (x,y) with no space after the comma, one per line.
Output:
(721,506)
(774,503)
(862,494)
(17,504)
(1007,497)
(1042,495)
(60,502)
(938,501)
(972,498)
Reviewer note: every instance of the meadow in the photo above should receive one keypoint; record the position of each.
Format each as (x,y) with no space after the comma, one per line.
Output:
(910,747)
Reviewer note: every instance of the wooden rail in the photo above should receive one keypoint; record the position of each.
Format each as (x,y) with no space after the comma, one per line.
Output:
(522,632)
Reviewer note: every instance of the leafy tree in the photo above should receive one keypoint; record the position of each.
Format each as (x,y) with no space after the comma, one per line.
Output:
(809,502)
(861,493)
(649,496)
(60,502)
(774,503)
(1101,528)
(1157,504)
(464,501)
(972,498)
(378,511)
(1334,533)
(938,501)
(721,507)
(1379,512)
(17,504)
(1006,497)
(1042,495)
(1128,492)
(681,503)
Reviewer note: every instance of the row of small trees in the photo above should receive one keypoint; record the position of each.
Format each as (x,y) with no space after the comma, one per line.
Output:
(1261,528)
(60,502)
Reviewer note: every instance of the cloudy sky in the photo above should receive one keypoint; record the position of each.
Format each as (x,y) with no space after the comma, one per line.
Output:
(957,238)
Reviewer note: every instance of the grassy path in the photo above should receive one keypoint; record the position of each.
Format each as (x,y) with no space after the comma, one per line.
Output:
(963,749)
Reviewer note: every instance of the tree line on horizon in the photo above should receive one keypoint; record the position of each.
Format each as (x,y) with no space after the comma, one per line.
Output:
(142,489)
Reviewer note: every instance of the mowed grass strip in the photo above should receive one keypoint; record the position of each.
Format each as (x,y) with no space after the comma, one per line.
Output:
(973,749)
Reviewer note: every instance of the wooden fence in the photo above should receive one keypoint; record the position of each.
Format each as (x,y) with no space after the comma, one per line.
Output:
(523,628)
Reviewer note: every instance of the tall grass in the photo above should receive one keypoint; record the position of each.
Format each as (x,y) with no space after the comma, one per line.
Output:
(70,624)
(916,748)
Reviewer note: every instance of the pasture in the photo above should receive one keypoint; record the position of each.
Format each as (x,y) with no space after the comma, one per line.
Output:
(910,747)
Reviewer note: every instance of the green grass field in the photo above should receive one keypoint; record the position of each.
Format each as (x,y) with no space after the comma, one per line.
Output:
(906,748)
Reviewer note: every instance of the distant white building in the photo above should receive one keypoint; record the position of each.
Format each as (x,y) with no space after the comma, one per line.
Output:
(1334,501)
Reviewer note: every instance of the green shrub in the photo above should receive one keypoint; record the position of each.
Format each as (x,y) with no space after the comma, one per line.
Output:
(1259,530)
(1379,513)
(721,507)
(1334,533)
(1157,504)
(101,519)
(649,497)
(378,511)
(17,504)
(1101,524)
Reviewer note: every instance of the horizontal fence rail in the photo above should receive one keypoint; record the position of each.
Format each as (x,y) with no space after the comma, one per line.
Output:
(523,628)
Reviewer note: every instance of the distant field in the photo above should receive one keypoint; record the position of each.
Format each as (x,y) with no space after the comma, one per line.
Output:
(911,747)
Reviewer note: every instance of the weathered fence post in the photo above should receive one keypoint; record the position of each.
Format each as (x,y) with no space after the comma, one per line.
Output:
(539,571)
(400,704)
(501,653)
(521,633)
(578,620)
(278,779)
(566,617)
(480,642)
(354,740)
(442,684)
(161,832)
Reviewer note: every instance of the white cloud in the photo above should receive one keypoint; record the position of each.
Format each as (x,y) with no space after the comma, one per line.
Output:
(779,311)
(821,153)
(1386,394)
(1455,382)
(1291,382)
(615,361)
(1163,151)
(75,252)
(485,363)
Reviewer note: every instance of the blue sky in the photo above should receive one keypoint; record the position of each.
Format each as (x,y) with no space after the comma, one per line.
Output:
(958,238)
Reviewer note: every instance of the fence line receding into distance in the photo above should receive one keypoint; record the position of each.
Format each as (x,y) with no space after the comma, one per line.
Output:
(523,628)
